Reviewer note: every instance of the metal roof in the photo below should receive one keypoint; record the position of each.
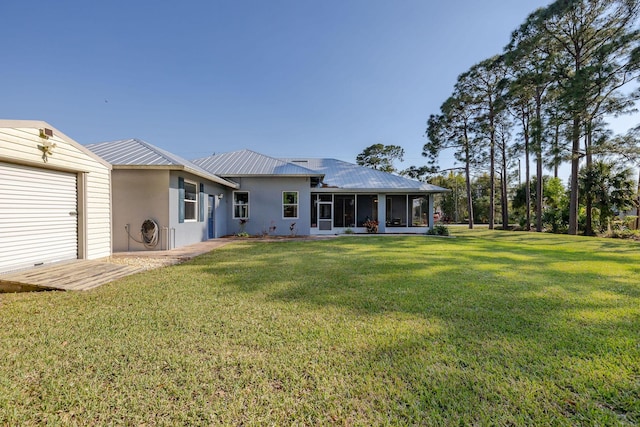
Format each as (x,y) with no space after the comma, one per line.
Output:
(249,163)
(136,153)
(344,175)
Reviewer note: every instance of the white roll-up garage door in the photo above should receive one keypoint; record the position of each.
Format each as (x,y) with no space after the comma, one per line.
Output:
(38,216)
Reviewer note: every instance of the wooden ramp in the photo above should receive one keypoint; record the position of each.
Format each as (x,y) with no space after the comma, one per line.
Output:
(78,275)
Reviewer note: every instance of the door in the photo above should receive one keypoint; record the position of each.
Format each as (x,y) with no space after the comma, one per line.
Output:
(38,216)
(325,216)
(210,217)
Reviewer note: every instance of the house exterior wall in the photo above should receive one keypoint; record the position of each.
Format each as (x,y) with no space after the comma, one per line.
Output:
(189,232)
(222,209)
(265,206)
(139,195)
(19,141)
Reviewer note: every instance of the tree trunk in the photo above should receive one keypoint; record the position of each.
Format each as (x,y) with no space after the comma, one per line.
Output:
(527,179)
(504,188)
(492,179)
(527,182)
(467,173)
(556,142)
(575,165)
(638,203)
(588,227)
(539,191)
(538,143)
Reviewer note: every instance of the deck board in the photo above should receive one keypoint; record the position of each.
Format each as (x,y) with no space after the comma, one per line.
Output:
(78,275)
(82,275)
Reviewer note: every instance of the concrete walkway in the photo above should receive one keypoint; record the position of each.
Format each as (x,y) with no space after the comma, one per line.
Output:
(180,254)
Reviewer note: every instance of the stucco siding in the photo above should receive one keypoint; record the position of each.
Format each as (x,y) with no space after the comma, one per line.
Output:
(189,232)
(221,213)
(139,195)
(266,209)
(19,141)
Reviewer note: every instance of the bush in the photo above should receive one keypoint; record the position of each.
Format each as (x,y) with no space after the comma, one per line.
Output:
(438,230)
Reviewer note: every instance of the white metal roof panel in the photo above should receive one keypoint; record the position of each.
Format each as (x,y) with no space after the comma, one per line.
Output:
(340,174)
(250,163)
(135,153)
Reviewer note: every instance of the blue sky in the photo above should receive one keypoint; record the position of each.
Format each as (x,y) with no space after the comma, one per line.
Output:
(284,78)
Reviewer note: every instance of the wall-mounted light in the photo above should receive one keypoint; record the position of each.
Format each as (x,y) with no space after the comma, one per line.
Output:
(220,196)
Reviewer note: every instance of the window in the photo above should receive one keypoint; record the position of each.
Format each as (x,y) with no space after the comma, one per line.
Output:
(190,201)
(367,208)
(240,204)
(314,210)
(290,204)
(396,211)
(419,206)
(344,210)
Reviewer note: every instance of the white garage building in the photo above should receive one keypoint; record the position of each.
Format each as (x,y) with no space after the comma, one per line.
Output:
(55,198)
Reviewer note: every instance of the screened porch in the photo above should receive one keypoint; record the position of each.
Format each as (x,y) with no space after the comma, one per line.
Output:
(394,213)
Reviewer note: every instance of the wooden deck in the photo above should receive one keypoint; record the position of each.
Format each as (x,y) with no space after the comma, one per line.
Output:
(82,275)
(78,275)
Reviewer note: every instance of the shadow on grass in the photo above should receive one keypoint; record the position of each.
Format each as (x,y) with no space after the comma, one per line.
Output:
(472,284)
(400,330)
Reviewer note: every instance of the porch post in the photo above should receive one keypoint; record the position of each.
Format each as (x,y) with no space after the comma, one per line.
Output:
(431,201)
(382,213)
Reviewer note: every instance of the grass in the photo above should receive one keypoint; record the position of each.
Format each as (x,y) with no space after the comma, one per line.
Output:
(487,328)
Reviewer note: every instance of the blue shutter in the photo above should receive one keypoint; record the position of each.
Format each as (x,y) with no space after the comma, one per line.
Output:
(180,199)
(201,203)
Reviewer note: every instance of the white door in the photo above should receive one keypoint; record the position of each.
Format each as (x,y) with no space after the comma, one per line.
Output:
(325,216)
(38,216)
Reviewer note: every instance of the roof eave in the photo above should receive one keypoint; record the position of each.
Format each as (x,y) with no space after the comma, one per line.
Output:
(379,190)
(212,178)
(236,175)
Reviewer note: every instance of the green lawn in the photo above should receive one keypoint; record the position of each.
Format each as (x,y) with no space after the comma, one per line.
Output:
(486,328)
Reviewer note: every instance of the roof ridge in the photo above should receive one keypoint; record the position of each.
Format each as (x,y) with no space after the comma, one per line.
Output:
(159,151)
(249,151)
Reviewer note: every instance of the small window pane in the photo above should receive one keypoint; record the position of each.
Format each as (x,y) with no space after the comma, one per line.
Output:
(241,204)
(241,211)
(290,197)
(190,211)
(291,211)
(241,198)
(190,192)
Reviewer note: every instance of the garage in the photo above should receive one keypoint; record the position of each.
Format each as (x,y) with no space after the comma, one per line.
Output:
(55,202)
(38,216)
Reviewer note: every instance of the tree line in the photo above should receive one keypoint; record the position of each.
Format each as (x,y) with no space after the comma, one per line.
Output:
(547,99)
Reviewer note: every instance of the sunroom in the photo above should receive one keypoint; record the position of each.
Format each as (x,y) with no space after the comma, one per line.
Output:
(337,212)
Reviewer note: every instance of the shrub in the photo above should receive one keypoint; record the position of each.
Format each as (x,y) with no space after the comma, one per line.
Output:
(439,230)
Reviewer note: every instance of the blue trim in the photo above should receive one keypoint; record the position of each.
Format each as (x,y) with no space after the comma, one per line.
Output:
(201,203)
(180,199)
